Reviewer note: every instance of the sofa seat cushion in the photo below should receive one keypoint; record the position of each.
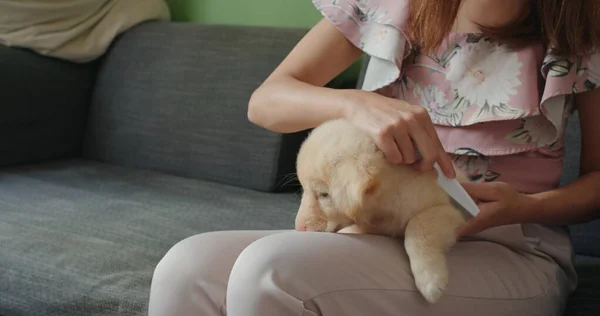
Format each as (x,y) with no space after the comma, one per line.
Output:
(586,238)
(585,301)
(82,237)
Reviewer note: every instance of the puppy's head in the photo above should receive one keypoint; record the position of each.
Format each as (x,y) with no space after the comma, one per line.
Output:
(339,168)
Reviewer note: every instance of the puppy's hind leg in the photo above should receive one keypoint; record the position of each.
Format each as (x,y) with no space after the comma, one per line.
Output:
(429,235)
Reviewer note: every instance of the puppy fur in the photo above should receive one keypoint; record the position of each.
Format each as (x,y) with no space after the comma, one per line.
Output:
(349,187)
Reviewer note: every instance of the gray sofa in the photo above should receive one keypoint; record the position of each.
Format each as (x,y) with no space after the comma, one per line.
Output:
(105,166)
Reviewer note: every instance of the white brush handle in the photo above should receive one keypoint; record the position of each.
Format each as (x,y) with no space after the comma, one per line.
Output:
(457,192)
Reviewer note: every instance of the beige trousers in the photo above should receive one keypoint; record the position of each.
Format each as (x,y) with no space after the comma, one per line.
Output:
(512,270)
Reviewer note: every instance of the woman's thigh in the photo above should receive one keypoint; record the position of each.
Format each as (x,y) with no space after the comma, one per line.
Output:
(295,273)
(191,279)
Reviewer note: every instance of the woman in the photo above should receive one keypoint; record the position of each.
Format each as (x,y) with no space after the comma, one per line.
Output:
(475,96)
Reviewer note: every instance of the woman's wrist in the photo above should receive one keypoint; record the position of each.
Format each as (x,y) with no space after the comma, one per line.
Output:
(574,203)
(529,208)
(349,99)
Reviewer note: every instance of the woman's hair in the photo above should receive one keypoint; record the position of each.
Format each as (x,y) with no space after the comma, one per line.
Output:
(565,26)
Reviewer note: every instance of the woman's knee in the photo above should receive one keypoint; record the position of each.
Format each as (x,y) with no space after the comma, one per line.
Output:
(201,263)
(186,260)
(278,274)
(259,258)
(261,279)
(190,278)
(281,255)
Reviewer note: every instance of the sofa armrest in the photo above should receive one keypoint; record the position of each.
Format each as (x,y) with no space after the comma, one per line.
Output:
(43,105)
(173,97)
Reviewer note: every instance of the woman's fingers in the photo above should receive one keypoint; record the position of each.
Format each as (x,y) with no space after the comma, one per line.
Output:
(443,158)
(484,220)
(427,148)
(398,128)
(491,191)
(428,151)
(446,165)
(407,148)
(389,148)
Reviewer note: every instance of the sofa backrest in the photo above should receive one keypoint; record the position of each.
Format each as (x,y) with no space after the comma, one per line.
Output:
(173,97)
(43,106)
(585,237)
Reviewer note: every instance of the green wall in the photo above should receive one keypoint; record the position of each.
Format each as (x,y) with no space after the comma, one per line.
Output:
(284,13)
(276,13)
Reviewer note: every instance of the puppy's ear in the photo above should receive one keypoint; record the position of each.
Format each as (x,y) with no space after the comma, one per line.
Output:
(361,192)
(351,187)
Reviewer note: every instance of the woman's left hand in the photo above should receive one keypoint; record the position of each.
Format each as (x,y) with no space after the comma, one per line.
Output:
(499,204)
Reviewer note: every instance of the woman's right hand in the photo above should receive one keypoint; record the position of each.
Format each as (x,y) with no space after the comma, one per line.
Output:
(397,128)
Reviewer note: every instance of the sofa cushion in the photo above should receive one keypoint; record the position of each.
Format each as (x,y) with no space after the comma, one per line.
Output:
(81,237)
(173,97)
(43,108)
(585,301)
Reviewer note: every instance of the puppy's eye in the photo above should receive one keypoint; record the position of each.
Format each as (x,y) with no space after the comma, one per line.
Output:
(323,195)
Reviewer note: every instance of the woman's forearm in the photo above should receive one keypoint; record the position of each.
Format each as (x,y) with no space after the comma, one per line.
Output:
(574,203)
(293,97)
(287,105)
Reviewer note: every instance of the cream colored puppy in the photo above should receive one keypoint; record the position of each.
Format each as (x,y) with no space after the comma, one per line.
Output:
(349,187)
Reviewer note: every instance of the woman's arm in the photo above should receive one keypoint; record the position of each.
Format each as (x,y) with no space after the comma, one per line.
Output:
(574,203)
(293,98)
(578,201)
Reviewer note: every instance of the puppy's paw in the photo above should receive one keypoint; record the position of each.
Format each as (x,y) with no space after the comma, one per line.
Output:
(432,283)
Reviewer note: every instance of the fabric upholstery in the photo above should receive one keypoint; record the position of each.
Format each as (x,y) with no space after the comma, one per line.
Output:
(83,238)
(586,299)
(585,237)
(43,106)
(173,97)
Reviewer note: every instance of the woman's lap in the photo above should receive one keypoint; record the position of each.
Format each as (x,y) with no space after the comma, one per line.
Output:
(292,273)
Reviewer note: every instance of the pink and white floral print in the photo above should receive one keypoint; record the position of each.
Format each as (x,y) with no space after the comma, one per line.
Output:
(486,75)
(494,107)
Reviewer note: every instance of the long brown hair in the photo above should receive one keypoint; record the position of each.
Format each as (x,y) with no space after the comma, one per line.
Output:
(565,26)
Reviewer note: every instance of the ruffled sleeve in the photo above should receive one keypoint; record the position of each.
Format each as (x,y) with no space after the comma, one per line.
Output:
(377,28)
(565,77)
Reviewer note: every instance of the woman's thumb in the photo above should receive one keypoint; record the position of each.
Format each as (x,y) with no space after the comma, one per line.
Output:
(480,191)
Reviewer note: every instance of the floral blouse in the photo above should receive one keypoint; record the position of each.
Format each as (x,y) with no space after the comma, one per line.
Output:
(501,113)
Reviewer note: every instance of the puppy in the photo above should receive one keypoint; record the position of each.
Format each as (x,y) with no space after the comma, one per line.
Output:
(349,187)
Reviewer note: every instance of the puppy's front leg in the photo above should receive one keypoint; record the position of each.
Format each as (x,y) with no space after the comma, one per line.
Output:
(428,236)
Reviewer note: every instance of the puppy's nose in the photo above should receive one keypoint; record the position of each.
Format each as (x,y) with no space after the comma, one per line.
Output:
(301,227)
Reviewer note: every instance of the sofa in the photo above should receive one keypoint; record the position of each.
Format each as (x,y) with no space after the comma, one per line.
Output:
(106,165)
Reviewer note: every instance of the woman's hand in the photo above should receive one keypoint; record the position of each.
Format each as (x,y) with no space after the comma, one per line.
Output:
(499,204)
(397,127)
